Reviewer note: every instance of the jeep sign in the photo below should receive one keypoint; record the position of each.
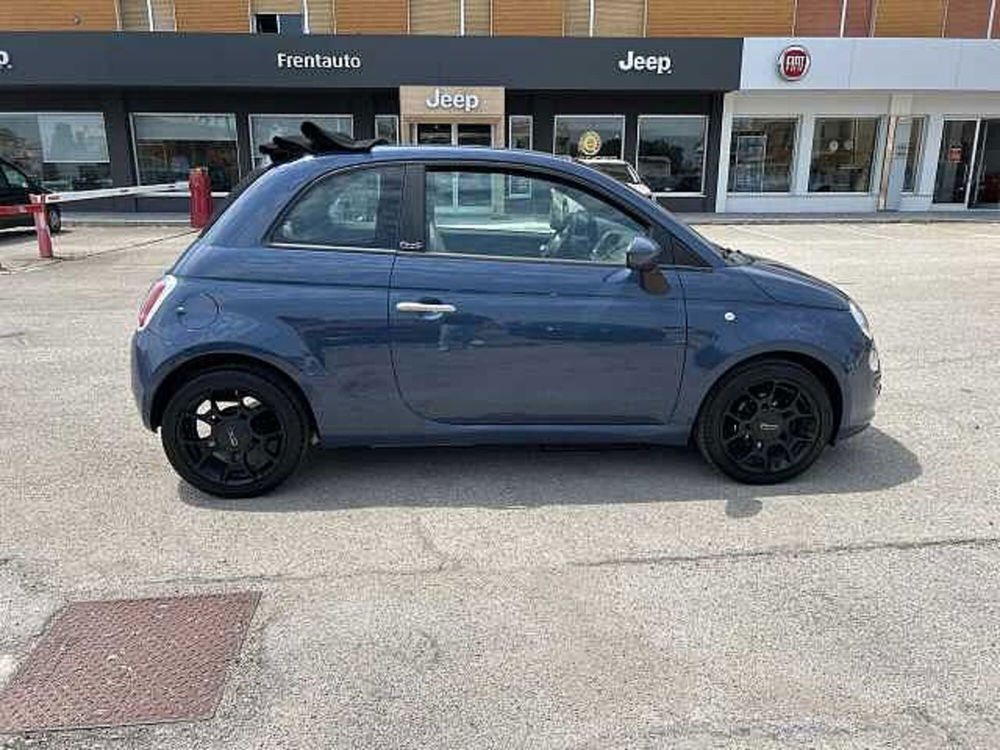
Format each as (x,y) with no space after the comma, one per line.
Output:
(4,59)
(658,64)
(442,100)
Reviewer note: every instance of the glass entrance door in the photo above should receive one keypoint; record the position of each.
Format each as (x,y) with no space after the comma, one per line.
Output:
(451,134)
(473,134)
(986,181)
(958,142)
(432,133)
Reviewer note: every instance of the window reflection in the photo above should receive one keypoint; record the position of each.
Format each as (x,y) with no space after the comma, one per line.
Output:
(671,153)
(64,150)
(843,153)
(168,147)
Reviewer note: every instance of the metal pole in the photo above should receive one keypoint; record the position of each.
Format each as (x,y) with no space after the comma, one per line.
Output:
(41,226)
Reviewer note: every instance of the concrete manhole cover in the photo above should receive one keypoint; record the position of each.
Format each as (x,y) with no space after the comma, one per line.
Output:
(135,661)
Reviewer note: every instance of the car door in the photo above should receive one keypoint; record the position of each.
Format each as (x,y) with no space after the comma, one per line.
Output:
(519,309)
(17,182)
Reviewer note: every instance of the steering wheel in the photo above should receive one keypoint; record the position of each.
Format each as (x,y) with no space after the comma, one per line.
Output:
(576,239)
(611,246)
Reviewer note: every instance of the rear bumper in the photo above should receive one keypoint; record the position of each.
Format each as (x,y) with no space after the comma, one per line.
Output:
(142,377)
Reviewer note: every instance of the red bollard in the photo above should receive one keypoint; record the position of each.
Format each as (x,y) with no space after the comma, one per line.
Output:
(41,227)
(200,187)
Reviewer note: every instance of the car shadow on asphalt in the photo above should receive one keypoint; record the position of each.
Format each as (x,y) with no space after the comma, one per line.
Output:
(532,476)
(15,234)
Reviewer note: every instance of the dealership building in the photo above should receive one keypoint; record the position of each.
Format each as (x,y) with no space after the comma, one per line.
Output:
(761,124)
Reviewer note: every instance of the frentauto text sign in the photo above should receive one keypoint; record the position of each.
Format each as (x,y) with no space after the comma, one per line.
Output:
(319,61)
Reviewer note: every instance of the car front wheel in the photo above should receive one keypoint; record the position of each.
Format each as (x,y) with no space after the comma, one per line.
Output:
(234,432)
(765,422)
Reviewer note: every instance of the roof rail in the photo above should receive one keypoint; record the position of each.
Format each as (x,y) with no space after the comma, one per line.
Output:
(315,140)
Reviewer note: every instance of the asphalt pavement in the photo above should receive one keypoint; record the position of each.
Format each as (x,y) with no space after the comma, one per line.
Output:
(526,598)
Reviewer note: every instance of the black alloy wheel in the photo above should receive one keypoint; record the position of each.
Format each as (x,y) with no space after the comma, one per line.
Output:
(234,432)
(765,422)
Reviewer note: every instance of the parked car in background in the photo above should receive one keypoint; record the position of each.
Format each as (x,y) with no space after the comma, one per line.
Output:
(437,296)
(16,188)
(620,170)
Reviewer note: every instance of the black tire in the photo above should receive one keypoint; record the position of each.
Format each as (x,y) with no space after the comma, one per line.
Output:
(53,216)
(234,432)
(765,422)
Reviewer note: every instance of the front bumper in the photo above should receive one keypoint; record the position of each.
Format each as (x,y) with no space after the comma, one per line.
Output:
(863,386)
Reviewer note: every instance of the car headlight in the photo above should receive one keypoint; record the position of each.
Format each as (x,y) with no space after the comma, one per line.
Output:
(861,319)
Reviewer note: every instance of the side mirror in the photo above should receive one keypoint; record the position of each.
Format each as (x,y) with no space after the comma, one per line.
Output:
(642,254)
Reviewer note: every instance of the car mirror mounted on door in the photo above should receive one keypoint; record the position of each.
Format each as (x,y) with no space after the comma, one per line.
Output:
(642,257)
(642,254)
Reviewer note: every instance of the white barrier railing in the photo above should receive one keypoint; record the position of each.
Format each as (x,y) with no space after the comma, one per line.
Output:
(40,201)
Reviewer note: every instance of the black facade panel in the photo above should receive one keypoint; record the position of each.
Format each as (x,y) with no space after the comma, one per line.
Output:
(265,61)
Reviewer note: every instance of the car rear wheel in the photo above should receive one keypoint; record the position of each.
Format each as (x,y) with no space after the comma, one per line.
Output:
(765,422)
(234,432)
(53,215)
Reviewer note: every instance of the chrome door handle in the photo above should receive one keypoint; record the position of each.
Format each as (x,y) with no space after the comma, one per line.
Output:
(424,308)
(404,245)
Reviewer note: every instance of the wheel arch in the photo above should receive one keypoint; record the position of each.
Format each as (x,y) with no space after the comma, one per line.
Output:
(187,369)
(823,372)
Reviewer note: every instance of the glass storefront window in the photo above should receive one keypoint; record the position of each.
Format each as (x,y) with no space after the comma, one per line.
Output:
(915,145)
(65,150)
(168,146)
(843,154)
(761,155)
(520,132)
(264,127)
(671,153)
(584,137)
(387,126)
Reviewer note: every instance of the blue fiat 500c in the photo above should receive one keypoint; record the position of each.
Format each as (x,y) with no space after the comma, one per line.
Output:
(387,296)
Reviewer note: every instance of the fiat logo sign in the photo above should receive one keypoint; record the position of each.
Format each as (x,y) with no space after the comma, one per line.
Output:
(793,63)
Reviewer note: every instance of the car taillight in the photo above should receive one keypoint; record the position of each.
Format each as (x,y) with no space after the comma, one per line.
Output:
(157,294)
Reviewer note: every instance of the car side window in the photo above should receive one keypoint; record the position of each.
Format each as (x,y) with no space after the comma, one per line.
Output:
(14,177)
(359,208)
(517,215)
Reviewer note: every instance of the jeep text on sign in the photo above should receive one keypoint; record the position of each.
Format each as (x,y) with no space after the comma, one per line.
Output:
(658,64)
(449,103)
(441,99)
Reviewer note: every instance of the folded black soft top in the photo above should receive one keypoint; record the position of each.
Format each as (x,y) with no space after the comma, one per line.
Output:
(315,140)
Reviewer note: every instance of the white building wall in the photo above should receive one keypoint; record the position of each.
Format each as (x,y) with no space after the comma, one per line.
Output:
(937,79)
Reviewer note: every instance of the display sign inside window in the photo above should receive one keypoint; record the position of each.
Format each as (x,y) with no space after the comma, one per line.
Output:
(590,143)
(751,153)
